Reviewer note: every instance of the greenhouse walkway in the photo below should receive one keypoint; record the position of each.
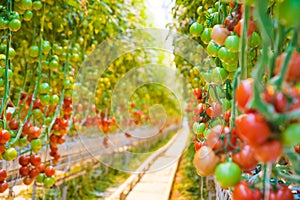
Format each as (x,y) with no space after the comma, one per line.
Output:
(157,181)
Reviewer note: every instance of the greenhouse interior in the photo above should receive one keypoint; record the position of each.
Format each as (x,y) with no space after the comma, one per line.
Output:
(150,99)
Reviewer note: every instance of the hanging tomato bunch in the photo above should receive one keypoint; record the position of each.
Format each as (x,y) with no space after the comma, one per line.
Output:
(246,114)
(42,46)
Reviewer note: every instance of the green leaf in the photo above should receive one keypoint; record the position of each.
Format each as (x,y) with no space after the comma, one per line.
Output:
(74,3)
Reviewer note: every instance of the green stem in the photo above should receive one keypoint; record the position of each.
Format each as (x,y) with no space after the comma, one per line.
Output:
(287,59)
(233,104)
(244,43)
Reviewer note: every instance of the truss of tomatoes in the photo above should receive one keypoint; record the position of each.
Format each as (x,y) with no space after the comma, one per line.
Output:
(228,151)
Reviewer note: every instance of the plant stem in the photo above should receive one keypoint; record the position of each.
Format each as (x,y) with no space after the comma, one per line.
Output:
(244,43)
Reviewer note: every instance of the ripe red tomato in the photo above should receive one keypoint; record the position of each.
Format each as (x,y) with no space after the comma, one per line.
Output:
(4,136)
(3,175)
(293,72)
(197,93)
(205,161)
(283,193)
(219,34)
(27,180)
(252,128)
(34,173)
(213,138)
(269,151)
(34,132)
(242,191)
(24,170)
(280,102)
(49,171)
(244,93)
(26,127)
(35,160)
(3,187)
(240,24)
(13,124)
(245,158)
(214,111)
(41,167)
(24,160)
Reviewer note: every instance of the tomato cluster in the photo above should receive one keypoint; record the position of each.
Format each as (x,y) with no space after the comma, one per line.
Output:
(260,125)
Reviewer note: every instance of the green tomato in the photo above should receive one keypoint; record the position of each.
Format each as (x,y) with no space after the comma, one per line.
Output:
(46,47)
(289,12)
(68,93)
(54,99)
(206,35)
(53,64)
(37,113)
(206,132)
(40,178)
(230,67)
(34,51)
(11,53)
(291,135)
(219,75)
(1,82)
(254,40)
(49,181)
(10,154)
(3,23)
(198,128)
(25,4)
(226,56)
(23,142)
(44,88)
(196,29)
(232,43)
(228,174)
(37,5)
(212,49)
(14,25)
(27,16)
(45,99)
(36,145)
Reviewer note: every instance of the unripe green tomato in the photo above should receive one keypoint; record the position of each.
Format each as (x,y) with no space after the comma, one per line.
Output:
(3,23)
(27,16)
(206,35)
(37,5)
(49,181)
(10,154)
(291,135)
(232,43)
(196,29)
(44,88)
(41,177)
(254,40)
(23,142)
(228,174)
(34,51)
(45,99)
(36,145)
(212,49)
(14,25)
(25,4)
(37,113)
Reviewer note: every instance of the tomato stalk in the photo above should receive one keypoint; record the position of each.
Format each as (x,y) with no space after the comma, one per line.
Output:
(244,43)
(7,65)
(36,88)
(233,104)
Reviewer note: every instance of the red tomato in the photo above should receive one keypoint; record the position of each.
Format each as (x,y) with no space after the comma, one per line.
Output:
(198,144)
(49,171)
(283,193)
(214,111)
(219,34)
(240,24)
(269,151)
(34,173)
(197,93)
(13,124)
(24,160)
(41,167)
(199,108)
(24,170)
(27,180)
(293,72)
(242,191)
(280,102)
(35,160)
(4,136)
(252,128)
(34,132)
(205,161)
(213,138)
(3,175)
(26,127)
(2,148)
(3,187)
(244,93)
(245,158)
